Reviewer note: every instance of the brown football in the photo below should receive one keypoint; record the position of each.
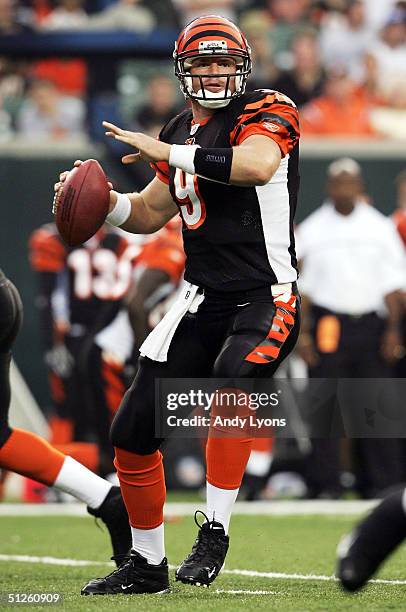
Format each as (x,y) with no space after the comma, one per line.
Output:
(82,203)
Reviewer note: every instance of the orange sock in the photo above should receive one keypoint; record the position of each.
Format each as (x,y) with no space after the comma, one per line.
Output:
(143,488)
(31,456)
(86,453)
(226,459)
(228,446)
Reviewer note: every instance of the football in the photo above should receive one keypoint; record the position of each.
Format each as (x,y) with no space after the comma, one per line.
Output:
(82,203)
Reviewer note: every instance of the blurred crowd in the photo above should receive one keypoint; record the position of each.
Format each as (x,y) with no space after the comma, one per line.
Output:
(342,61)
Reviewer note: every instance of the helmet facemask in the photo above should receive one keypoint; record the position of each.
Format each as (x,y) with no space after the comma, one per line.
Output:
(205,97)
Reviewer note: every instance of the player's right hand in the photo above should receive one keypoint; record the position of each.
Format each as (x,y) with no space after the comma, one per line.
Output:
(77,163)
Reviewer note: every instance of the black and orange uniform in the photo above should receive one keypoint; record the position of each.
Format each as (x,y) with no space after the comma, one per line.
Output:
(239,249)
(238,238)
(79,292)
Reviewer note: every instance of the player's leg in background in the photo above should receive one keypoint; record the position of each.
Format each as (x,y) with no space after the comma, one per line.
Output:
(361,552)
(33,457)
(108,385)
(321,412)
(379,461)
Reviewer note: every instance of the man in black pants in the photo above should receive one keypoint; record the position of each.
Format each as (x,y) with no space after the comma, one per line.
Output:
(352,269)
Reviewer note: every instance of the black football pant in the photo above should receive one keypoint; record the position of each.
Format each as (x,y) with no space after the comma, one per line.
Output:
(214,342)
(378,462)
(11,311)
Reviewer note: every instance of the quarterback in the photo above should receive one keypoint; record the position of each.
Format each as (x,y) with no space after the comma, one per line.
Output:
(229,166)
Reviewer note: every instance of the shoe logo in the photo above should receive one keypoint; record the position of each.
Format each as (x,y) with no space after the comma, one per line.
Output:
(126,586)
(211,572)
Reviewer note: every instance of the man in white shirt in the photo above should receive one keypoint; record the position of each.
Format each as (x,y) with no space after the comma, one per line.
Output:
(353,268)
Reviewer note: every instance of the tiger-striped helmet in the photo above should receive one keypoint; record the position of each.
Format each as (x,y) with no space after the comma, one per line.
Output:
(210,36)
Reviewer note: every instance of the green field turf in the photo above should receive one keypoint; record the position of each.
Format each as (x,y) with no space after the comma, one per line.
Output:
(302,545)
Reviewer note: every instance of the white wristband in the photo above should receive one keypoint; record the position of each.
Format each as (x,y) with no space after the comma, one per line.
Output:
(182,156)
(121,211)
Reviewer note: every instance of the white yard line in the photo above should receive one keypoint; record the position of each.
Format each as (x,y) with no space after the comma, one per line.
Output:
(272,508)
(234,572)
(241,592)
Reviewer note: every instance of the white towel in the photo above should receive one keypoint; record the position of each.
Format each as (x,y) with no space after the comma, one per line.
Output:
(157,344)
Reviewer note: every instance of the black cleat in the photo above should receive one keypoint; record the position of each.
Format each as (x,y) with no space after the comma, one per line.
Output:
(354,567)
(206,560)
(134,576)
(362,551)
(114,514)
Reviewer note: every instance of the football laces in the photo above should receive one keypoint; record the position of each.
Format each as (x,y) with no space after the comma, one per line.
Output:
(56,200)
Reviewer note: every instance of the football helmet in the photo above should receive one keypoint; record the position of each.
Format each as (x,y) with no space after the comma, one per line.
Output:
(210,36)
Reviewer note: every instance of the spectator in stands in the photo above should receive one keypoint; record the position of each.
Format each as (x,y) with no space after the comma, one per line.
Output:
(339,111)
(190,9)
(159,107)
(353,269)
(289,18)
(165,13)
(46,113)
(12,19)
(12,86)
(256,24)
(345,38)
(124,15)
(68,15)
(389,53)
(305,81)
(389,119)
(377,12)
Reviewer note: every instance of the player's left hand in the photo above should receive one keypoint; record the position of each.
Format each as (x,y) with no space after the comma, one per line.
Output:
(149,149)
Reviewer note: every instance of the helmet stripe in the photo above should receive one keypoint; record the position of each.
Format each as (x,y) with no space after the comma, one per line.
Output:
(209,33)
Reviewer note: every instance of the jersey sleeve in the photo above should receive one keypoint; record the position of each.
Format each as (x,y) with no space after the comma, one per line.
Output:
(47,253)
(273,115)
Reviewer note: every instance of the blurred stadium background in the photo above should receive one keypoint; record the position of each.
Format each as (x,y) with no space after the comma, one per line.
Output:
(66,65)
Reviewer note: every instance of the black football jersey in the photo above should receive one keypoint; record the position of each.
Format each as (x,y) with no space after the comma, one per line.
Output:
(238,238)
(88,281)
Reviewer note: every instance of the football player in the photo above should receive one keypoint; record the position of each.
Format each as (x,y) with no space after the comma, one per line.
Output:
(229,166)
(80,291)
(29,455)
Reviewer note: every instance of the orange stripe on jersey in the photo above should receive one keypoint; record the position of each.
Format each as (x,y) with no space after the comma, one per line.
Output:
(282,324)
(161,171)
(274,116)
(47,253)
